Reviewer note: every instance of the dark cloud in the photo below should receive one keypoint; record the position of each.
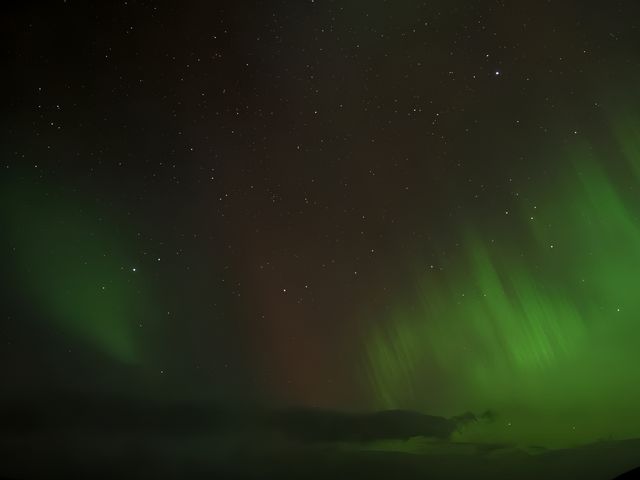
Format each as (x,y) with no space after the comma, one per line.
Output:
(318,425)
(107,414)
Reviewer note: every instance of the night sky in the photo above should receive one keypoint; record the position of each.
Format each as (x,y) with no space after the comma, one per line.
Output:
(352,206)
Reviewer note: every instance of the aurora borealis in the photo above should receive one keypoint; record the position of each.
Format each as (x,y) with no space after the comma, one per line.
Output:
(260,227)
(75,270)
(543,335)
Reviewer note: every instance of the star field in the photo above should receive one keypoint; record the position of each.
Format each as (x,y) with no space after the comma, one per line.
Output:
(349,205)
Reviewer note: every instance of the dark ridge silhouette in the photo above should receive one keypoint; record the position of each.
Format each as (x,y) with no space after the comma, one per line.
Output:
(630,475)
(80,437)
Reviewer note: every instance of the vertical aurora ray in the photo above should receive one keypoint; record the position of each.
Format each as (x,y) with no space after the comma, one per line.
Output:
(72,270)
(540,325)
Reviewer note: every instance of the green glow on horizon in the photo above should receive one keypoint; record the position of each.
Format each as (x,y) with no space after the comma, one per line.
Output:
(73,270)
(537,318)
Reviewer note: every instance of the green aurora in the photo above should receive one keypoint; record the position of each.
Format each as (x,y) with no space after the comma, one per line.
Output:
(74,271)
(540,323)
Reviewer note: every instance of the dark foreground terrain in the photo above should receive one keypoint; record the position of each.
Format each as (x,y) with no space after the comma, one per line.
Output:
(113,439)
(114,457)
